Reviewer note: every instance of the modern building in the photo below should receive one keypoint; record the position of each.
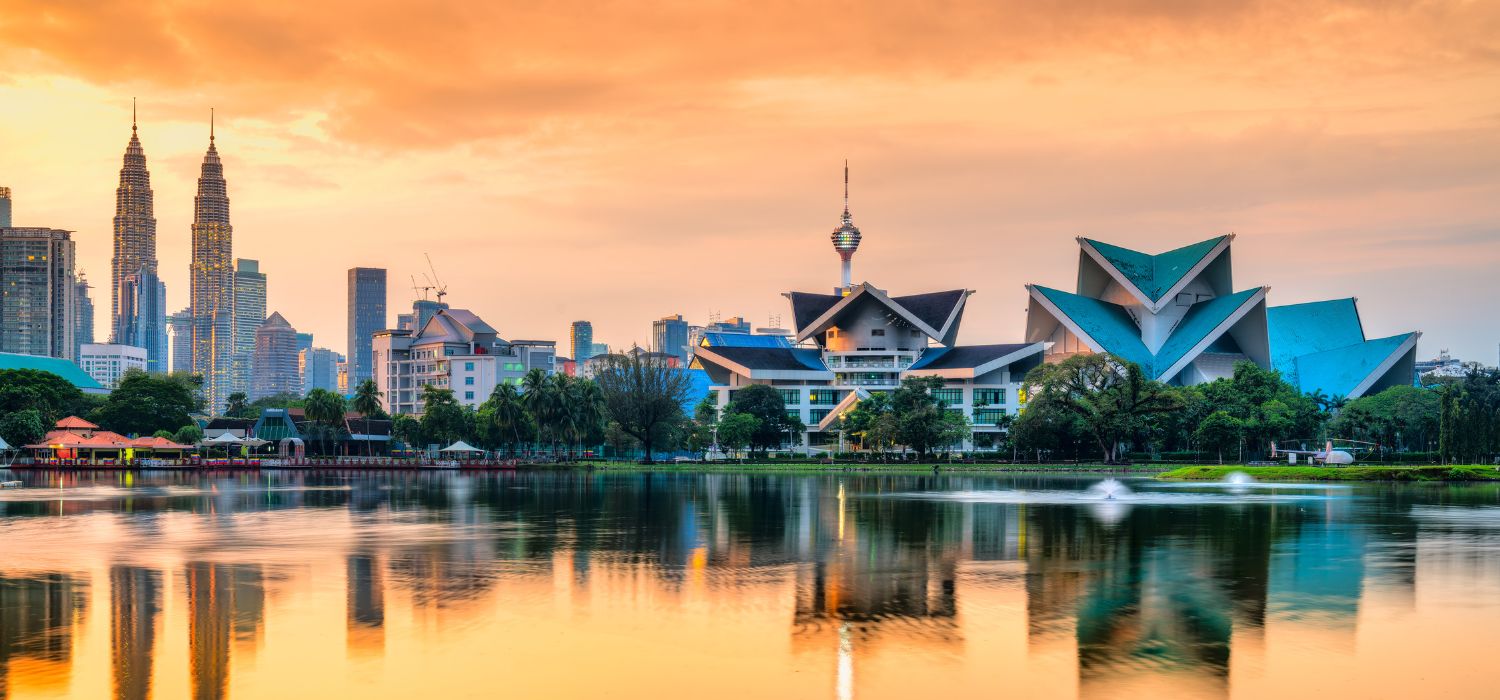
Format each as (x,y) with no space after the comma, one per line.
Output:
(597,349)
(421,310)
(581,340)
(5,207)
(107,363)
(366,317)
(275,366)
(455,350)
(83,314)
(669,334)
(138,307)
(249,314)
(341,383)
(1178,316)
(737,324)
(211,274)
(859,341)
(37,307)
(304,341)
(181,326)
(319,368)
(67,369)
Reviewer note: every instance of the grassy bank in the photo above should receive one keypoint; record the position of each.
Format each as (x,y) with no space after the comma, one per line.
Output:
(871,467)
(1352,473)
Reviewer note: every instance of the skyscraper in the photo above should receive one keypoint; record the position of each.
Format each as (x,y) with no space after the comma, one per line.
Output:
(669,334)
(275,359)
(249,313)
(83,316)
(138,307)
(319,368)
(582,339)
(304,341)
(4,207)
(366,315)
(37,307)
(181,324)
(212,276)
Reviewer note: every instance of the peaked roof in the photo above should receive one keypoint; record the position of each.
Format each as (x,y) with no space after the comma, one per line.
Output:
(744,340)
(934,313)
(933,308)
(60,367)
(807,307)
(797,359)
(75,423)
(1349,370)
(969,356)
(1302,329)
(275,320)
(1153,275)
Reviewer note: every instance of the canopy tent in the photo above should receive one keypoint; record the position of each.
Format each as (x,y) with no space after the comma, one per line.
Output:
(223,439)
(460,446)
(3,444)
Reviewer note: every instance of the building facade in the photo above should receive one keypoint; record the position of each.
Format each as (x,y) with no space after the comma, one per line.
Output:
(319,368)
(107,363)
(37,307)
(669,334)
(211,274)
(83,314)
(275,366)
(581,341)
(456,350)
(181,326)
(366,316)
(249,314)
(138,306)
(5,207)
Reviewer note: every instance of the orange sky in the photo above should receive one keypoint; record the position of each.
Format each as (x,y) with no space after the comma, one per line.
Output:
(618,162)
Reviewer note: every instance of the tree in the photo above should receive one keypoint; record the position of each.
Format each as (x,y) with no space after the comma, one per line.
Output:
(325,412)
(1218,431)
(1111,397)
(189,434)
(1469,418)
(145,403)
(505,411)
(919,414)
(24,427)
(705,421)
(51,396)
(953,430)
(539,397)
(366,401)
(407,430)
(737,430)
(236,406)
(444,421)
(769,408)
(1401,417)
(642,393)
(163,434)
(858,422)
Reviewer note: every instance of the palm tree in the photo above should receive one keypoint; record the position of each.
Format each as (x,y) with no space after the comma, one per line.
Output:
(591,411)
(509,413)
(540,401)
(366,402)
(325,410)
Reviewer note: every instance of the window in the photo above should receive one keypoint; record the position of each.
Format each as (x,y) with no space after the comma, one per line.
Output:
(949,397)
(794,413)
(823,397)
(817,415)
(468,366)
(469,395)
(989,397)
(468,381)
(791,397)
(877,332)
(988,416)
(916,333)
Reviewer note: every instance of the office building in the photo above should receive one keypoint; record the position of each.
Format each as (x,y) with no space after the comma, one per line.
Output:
(37,307)
(304,341)
(249,314)
(83,314)
(737,324)
(581,340)
(598,349)
(275,369)
(366,316)
(421,310)
(455,350)
(1176,315)
(181,326)
(211,274)
(319,368)
(138,307)
(5,207)
(107,363)
(669,334)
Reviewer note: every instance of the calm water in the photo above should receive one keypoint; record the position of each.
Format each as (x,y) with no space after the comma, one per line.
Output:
(415,585)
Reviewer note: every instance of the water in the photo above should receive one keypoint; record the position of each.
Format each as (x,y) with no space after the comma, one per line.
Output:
(575,584)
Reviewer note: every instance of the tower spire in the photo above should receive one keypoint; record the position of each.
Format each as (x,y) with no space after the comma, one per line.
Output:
(132,115)
(210,124)
(845,239)
(846,187)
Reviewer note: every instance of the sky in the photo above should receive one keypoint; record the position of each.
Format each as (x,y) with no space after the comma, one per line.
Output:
(618,162)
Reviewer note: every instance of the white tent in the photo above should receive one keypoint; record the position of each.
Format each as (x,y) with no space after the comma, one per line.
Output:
(460,446)
(223,439)
(3,444)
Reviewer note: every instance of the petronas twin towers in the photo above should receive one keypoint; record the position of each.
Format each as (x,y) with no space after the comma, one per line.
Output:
(139,303)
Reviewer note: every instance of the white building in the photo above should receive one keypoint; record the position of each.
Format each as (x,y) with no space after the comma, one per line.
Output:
(455,350)
(108,362)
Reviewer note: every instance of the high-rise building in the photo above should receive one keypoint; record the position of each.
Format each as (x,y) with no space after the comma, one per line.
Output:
(138,307)
(4,207)
(366,315)
(37,307)
(304,341)
(275,366)
(249,313)
(319,368)
(598,349)
(107,363)
(669,335)
(582,338)
(212,281)
(181,325)
(83,315)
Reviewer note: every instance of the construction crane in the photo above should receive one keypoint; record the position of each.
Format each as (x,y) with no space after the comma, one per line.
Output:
(419,288)
(442,289)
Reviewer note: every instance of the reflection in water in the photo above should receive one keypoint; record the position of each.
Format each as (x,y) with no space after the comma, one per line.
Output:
(842,586)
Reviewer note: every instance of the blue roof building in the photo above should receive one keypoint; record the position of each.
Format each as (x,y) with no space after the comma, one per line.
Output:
(1178,316)
(58,366)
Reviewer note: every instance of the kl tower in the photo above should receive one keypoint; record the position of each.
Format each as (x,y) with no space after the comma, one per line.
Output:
(845,240)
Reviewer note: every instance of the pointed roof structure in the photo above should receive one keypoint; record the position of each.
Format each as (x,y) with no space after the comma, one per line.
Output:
(935,314)
(1155,279)
(1321,346)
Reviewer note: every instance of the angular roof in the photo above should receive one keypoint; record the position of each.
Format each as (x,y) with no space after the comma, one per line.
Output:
(1349,370)
(934,314)
(1153,275)
(744,340)
(772,358)
(933,308)
(58,366)
(969,356)
(1302,329)
(75,423)
(1108,327)
(275,320)
(807,307)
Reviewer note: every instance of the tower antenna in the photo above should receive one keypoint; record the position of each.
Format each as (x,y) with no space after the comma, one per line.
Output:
(210,124)
(132,114)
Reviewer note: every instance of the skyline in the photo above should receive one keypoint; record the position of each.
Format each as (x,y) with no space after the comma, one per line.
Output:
(1367,146)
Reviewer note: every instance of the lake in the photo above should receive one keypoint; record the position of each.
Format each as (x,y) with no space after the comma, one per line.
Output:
(667,585)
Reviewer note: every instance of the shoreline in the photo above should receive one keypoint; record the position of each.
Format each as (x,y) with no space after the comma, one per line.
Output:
(1415,473)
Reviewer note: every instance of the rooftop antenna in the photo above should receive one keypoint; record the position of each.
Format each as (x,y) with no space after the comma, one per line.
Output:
(442,289)
(132,116)
(211,132)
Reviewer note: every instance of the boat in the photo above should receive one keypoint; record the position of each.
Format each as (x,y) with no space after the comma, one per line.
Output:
(10,484)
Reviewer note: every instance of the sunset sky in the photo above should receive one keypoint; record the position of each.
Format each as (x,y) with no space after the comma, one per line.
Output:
(617,162)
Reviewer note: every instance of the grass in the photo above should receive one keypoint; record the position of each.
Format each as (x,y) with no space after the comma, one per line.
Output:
(1467,472)
(870,467)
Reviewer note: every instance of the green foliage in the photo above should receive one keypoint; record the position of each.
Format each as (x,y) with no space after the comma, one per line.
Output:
(285,399)
(505,418)
(366,400)
(237,407)
(765,403)
(189,434)
(407,430)
(737,430)
(1352,473)
(1267,407)
(51,396)
(643,395)
(325,415)
(1400,418)
(444,421)
(145,403)
(1219,431)
(1469,418)
(1111,397)
(23,427)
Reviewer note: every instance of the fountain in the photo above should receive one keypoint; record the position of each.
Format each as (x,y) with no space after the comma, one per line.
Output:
(1239,479)
(1109,489)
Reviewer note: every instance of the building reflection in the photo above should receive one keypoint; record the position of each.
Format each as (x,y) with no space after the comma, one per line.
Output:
(135,602)
(38,616)
(365,610)
(226,603)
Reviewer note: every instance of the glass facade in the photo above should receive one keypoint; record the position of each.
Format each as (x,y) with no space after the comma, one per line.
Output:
(989,397)
(366,315)
(949,397)
(988,416)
